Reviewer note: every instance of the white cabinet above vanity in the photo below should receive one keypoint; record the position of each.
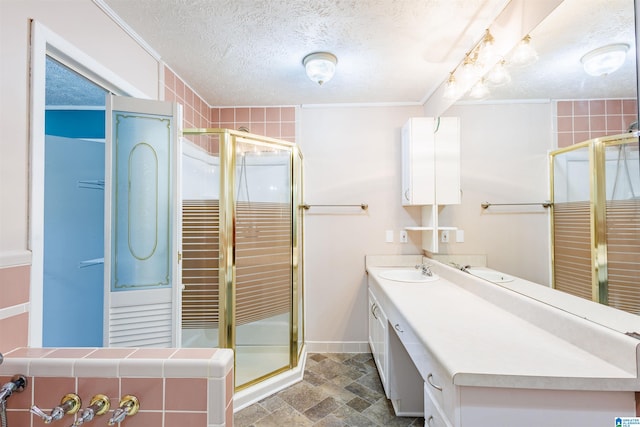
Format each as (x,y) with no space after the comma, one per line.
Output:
(464,352)
(431,171)
(431,161)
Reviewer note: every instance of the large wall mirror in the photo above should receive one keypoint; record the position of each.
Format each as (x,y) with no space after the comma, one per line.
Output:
(574,29)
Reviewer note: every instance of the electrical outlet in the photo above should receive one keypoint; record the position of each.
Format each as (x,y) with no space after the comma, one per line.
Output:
(403,236)
(444,236)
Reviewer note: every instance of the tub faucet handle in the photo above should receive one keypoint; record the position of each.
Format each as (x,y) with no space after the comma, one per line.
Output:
(69,404)
(99,405)
(129,406)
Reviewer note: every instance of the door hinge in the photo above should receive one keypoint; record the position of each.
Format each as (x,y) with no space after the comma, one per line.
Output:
(179,257)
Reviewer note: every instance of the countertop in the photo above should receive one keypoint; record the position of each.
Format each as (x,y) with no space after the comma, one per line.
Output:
(481,343)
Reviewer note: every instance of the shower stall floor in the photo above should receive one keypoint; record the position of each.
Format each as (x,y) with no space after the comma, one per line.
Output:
(255,361)
(262,347)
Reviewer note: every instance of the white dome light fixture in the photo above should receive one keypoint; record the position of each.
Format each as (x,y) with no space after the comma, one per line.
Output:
(605,60)
(320,66)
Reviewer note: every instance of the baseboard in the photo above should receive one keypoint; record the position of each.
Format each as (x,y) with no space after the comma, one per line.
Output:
(337,347)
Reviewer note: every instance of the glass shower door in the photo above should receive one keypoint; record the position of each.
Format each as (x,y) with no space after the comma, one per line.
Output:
(263,260)
(622,182)
(596,221)
(572,263)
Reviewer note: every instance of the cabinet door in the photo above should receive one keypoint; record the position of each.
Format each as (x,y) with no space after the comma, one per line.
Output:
(378,339)
(142,234)
(417,162)
(447,160)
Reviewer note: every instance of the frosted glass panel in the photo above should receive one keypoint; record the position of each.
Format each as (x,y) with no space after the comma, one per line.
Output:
(263,261)
(141,237)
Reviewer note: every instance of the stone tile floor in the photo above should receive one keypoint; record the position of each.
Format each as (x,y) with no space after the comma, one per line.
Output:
(338,390)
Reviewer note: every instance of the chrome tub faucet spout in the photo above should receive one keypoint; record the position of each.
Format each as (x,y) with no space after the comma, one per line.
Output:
(17,384)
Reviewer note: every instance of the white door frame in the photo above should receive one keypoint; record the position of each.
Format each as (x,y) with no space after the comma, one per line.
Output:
(45,43)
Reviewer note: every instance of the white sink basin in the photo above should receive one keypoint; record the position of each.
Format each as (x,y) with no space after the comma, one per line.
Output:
(490,275)
(407,276)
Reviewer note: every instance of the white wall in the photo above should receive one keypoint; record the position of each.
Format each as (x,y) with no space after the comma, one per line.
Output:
(351,156)
(88,28)
(504,160)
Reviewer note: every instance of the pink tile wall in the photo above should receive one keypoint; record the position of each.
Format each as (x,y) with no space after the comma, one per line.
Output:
(197,113)
(581,120)
(14,319)
(194,388)
(274,122)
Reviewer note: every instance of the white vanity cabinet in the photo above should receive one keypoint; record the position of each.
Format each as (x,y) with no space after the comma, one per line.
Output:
(378,342)
(460,360)
(431,161)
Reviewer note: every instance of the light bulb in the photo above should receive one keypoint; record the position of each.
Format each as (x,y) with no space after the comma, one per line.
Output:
(469,71)
(451,89)
(524,53)
(486,51)
(499,75)
(479,90)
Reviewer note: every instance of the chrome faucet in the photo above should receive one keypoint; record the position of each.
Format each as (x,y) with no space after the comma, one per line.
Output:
(464,268)
(17,384)
(99,405)
(128,407)
(425,269)
(69,404)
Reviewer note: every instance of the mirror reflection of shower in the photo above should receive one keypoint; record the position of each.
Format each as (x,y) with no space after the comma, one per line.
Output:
(623,171)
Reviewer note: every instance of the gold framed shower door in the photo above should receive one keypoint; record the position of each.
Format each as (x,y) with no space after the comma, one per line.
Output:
(227,144)
(580,224)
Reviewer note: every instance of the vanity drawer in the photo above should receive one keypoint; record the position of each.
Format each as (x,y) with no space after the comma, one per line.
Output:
(433,416)
(436,380)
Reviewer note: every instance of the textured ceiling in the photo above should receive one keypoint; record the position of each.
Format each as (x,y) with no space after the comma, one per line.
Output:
(249,52)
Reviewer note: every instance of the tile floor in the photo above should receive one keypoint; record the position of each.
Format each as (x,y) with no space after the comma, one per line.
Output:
(338,390)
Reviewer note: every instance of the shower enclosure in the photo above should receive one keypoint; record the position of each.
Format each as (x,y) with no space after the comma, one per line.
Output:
(242,250)
(595,188)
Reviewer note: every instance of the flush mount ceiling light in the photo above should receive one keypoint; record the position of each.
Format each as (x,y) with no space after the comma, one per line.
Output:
(605,60)
(320,66)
